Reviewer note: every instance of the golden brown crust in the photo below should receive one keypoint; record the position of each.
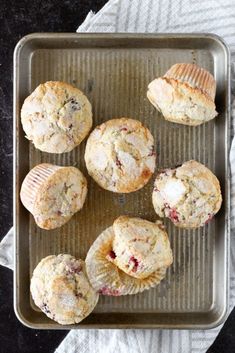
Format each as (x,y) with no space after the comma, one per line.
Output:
(189,195)
(120,155)
(141,247)
(56,117)
(60,288)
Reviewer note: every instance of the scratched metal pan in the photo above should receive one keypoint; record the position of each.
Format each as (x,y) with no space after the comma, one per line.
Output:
(114,70)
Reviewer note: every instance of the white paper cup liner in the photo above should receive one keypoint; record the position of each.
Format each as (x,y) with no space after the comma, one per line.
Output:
(33,182)
(106,278)
(195,76)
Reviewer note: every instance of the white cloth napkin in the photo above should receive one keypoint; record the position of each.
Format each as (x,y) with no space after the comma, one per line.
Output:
(6,250)
(154,16)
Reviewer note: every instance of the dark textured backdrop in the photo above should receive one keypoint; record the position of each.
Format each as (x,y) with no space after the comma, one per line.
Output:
(18,18)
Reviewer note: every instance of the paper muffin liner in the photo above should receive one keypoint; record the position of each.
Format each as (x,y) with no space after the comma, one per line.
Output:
(195,76)
(106,278)
(33,182)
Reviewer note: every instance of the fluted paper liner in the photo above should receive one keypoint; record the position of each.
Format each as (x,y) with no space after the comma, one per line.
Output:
(195,76)
(106,278)
(33,182)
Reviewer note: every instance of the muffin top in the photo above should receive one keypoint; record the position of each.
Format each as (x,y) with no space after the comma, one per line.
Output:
(189,195)
(140,247)
(120,155)
(56,117)
(107,278)
(184,95)
(60,288)
(53,194)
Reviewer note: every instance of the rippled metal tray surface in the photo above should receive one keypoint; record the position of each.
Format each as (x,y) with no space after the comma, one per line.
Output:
(114,71)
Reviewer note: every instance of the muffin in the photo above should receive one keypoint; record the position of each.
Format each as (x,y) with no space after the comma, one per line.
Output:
(61,289)
(56,117)
(108,279)
(120,155)
(188,195)
(184,95)
(53,194)
(140,247)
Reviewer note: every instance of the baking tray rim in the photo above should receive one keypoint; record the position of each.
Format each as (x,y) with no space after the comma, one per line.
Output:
(142,36)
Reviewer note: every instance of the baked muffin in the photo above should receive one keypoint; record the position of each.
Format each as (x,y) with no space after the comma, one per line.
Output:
(53,194)
(120,155)
(184,95)
(61,289)
(189,195)
(108,279)
(56,117)
(140,247)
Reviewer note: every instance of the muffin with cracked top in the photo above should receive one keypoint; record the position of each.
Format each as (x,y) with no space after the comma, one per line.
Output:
(141,247)
(188,195)
(56,117)
(61,289)
(120,155)
(184,95)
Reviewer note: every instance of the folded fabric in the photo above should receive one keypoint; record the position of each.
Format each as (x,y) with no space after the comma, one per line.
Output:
(6,250)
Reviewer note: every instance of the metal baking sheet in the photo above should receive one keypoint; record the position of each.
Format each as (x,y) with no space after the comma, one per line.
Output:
(114,70)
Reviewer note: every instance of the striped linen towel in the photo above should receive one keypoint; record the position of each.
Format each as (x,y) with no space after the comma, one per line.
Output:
(155,16)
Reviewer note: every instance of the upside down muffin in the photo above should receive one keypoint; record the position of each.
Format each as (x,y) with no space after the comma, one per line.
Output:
(184,95)
(52,194)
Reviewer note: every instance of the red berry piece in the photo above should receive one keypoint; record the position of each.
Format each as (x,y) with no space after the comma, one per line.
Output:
(136,263)
(107,291)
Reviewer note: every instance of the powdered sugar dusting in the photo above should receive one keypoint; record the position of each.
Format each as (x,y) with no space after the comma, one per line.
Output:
(173,191)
